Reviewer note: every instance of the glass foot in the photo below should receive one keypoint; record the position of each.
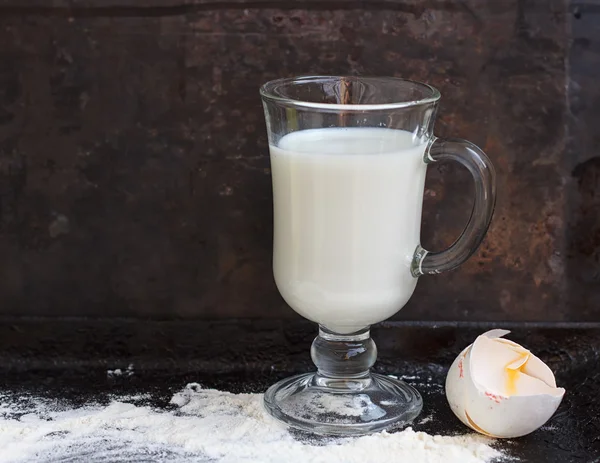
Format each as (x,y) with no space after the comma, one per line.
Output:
(343,397)
(309,403)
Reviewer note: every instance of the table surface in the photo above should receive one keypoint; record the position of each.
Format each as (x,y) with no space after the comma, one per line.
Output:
(572,435)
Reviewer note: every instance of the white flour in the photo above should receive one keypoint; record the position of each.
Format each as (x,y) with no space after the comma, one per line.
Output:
(118,372)
(204,425)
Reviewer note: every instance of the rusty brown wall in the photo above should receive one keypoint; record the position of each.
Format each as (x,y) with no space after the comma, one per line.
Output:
(134,173)
(583,161)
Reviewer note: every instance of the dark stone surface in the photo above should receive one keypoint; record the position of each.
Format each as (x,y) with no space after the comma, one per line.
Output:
(225,346)
(134,175)
(67,360)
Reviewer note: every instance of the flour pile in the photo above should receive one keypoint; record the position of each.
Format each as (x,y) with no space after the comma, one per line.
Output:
(204,425)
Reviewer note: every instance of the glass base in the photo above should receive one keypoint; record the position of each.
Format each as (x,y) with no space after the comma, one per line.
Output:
(353,407)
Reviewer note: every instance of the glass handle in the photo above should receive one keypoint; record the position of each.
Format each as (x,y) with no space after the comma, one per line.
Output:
(482,170)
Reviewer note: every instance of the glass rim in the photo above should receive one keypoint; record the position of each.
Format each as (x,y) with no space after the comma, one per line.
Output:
(266,92)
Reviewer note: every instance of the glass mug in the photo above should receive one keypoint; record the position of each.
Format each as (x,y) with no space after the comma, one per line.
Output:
(348,159)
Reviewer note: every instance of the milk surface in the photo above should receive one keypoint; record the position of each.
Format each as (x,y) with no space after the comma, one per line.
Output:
(347,208)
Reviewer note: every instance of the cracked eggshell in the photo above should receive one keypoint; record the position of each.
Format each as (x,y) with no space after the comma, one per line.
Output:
(500,389)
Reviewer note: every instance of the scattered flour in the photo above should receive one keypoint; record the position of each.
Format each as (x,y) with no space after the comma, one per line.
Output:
(118,372)
(426,419)
(204,425)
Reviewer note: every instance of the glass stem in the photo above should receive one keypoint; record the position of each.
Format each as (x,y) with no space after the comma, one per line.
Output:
(343,361)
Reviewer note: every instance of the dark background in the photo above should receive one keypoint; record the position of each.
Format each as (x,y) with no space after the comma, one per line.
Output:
(134,171)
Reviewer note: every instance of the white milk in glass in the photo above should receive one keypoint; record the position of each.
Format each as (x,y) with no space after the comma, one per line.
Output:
(347,208)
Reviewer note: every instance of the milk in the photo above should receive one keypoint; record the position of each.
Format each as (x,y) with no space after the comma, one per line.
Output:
(347,212)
